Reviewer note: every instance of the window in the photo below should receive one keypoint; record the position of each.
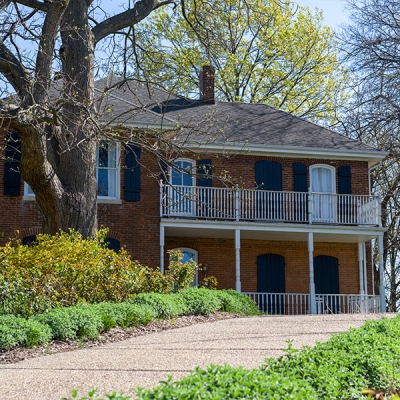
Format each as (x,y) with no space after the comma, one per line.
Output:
(107,172)
(190,254)
(323,186)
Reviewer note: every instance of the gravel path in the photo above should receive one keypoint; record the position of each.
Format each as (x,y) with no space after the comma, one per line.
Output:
(145,360)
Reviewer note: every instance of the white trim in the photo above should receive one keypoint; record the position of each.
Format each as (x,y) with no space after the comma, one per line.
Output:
(193,171)
(373,157)
(333,176)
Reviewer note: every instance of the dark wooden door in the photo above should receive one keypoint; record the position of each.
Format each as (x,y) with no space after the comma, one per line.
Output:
(326,278)
(271,279)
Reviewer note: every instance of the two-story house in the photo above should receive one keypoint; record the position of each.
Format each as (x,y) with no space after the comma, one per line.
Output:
(270,204)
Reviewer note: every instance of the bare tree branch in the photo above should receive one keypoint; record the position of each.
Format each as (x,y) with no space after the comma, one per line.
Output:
(127,18)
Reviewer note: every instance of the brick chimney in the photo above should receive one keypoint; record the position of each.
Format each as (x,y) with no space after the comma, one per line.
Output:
(206,80)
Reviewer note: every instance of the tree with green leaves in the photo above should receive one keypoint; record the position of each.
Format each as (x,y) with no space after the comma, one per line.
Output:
(266,51)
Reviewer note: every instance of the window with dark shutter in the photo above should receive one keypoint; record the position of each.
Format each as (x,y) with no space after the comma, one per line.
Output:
(346,206)
(12,175)
(132,173)
(268,175)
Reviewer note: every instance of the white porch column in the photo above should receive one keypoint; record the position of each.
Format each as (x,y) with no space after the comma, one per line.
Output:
(365,268)
(313,308)
(237,248)
(381,275)
(162,244)
(361,267)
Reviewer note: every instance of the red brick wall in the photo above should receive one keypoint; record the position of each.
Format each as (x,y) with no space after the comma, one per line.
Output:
(136,224)
(219,255)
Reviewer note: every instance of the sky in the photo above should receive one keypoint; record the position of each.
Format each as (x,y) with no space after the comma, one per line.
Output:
(334,11)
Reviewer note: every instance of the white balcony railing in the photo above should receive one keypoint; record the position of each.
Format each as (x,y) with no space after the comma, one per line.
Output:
(299,303)
(262,205)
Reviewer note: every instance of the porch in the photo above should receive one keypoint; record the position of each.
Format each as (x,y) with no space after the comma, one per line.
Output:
(300,303)
(251,205)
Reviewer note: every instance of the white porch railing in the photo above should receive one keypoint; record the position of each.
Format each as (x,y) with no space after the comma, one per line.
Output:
(262,205)
(299,303)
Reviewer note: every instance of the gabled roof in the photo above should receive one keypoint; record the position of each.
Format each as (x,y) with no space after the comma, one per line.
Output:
(225,125)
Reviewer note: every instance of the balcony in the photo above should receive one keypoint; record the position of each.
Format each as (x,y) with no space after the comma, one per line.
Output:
(234,204)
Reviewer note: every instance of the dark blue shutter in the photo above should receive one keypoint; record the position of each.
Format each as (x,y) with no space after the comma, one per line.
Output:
(164,172)
(204,173)
(300,185)
(344,179)
(12,175)
(113,244)
(268,175)
(132,173)
(300,177)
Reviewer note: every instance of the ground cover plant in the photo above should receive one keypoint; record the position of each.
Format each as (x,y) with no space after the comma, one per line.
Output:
(65,269)
(342,368)
(89,321)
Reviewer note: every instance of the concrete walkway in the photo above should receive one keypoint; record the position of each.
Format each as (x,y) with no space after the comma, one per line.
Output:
(145,360)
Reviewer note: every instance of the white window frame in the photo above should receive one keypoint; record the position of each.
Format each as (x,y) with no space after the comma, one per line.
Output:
(333,174)
(195,281)
(29,195)
(193,171)
(117,175)
(324,206)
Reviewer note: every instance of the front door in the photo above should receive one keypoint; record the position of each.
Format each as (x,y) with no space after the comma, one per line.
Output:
(181,191)
(271,280)
(326,278)
(323,188)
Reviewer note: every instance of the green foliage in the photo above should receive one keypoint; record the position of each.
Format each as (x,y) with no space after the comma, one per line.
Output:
(65,269)
(272,52)
(163,305)
(16,330)
(225,382)
(69,323)
(88,321)
(200,301)
(92,395)
(235,302)
(348,362)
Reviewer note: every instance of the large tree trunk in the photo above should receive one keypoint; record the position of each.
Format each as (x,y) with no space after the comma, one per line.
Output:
(60,158)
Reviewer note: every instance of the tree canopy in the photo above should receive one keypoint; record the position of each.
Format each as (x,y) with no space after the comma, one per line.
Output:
(372,48)
(265,51)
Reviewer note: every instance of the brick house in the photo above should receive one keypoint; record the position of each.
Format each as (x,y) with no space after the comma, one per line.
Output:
(270,204)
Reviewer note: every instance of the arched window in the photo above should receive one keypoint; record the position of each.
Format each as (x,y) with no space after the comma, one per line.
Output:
(190,254)
(322,178)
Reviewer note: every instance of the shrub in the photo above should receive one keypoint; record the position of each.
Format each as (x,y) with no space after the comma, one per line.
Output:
(225,382)
(165,306)
(200,301)
(233,301)
(69,323)
(15,330)
(65,269)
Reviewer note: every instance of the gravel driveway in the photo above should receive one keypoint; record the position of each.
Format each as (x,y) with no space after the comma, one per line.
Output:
(144,361)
